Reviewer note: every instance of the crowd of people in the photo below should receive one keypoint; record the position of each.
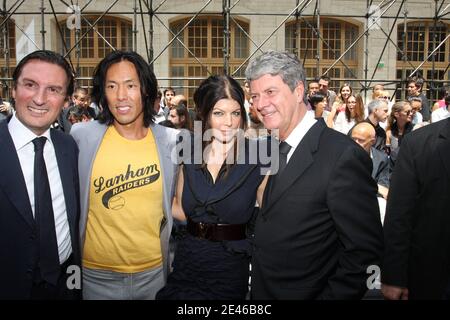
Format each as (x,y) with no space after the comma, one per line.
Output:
(284,183)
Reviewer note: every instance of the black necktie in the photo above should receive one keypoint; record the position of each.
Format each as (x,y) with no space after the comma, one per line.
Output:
(43,214)
(283,151)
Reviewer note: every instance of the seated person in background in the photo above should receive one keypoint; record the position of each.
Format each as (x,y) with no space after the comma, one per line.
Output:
(399,124)
(440,103)
(180,118)
(318,102)
(416,107)
(313,88)
(347,119)
(167,123)
(255,126)
(441,113)
(364,135)
(78,114)
(181,99)
(378,113)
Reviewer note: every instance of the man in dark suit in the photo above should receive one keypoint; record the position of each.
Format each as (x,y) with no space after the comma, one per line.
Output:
(416,262)
(318,229)
(39,186)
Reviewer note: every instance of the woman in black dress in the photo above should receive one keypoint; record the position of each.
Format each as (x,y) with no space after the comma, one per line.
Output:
(217,198)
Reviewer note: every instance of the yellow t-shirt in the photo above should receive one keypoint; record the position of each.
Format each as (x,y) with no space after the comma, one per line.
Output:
(125,206)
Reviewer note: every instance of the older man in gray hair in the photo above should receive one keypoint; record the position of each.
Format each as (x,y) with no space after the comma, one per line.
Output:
(319,229)
(378,112)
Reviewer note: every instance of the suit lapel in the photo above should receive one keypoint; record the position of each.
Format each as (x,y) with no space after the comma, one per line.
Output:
(297,165)
(12,181)
(444,146)
(164,153)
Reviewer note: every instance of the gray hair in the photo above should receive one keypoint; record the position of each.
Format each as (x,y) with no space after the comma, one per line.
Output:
(375,104)
(416,99)
(283,64)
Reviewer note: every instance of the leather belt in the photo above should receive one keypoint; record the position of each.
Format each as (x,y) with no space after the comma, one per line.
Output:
(216,232)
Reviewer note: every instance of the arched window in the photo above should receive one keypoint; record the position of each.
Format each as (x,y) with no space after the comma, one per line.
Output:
(205,39)
(93,47)
(421,39)
(335,37)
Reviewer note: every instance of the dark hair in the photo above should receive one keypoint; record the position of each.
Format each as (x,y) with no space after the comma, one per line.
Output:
(147,80)
(418,82)
(415,99)
(182,111)
(210,92)
(169,89)
(78,112)
(49,57)
(447,100)
(167,123)
(441,93)
(324,77)
(315,99)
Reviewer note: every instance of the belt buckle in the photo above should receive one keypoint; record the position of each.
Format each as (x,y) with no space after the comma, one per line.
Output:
(203,230)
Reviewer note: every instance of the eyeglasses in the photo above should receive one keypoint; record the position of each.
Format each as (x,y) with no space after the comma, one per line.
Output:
(384,98)
(53,91)
(408,112)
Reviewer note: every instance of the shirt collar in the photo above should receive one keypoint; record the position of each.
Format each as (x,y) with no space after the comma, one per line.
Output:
(296,136)
(21,135)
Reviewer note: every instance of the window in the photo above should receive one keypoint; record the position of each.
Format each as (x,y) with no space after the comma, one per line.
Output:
(115,31)
(302,40)
(205,39)
(421,39)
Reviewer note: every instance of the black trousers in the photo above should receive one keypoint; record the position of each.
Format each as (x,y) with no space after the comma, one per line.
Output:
(42,290)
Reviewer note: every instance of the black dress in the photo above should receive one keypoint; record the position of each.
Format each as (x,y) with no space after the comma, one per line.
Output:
(203,269)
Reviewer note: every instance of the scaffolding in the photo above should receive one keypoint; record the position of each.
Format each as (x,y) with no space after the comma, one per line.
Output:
(151,11)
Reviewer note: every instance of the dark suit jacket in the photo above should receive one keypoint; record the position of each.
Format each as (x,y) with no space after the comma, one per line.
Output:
(380,171)
(320,229)
(18,243)
(417,221)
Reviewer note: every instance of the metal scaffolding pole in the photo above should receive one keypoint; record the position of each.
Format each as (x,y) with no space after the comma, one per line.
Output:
(5,30)
(226,36)
(404,58)
(366,49)
(318,37)
(388,38)
(135,26)
(144,32)
(150,33)
(42,24)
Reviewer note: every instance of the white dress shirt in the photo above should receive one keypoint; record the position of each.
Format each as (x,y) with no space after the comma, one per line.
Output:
(439,114)
(299,132)
(160,116)
(22,138)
